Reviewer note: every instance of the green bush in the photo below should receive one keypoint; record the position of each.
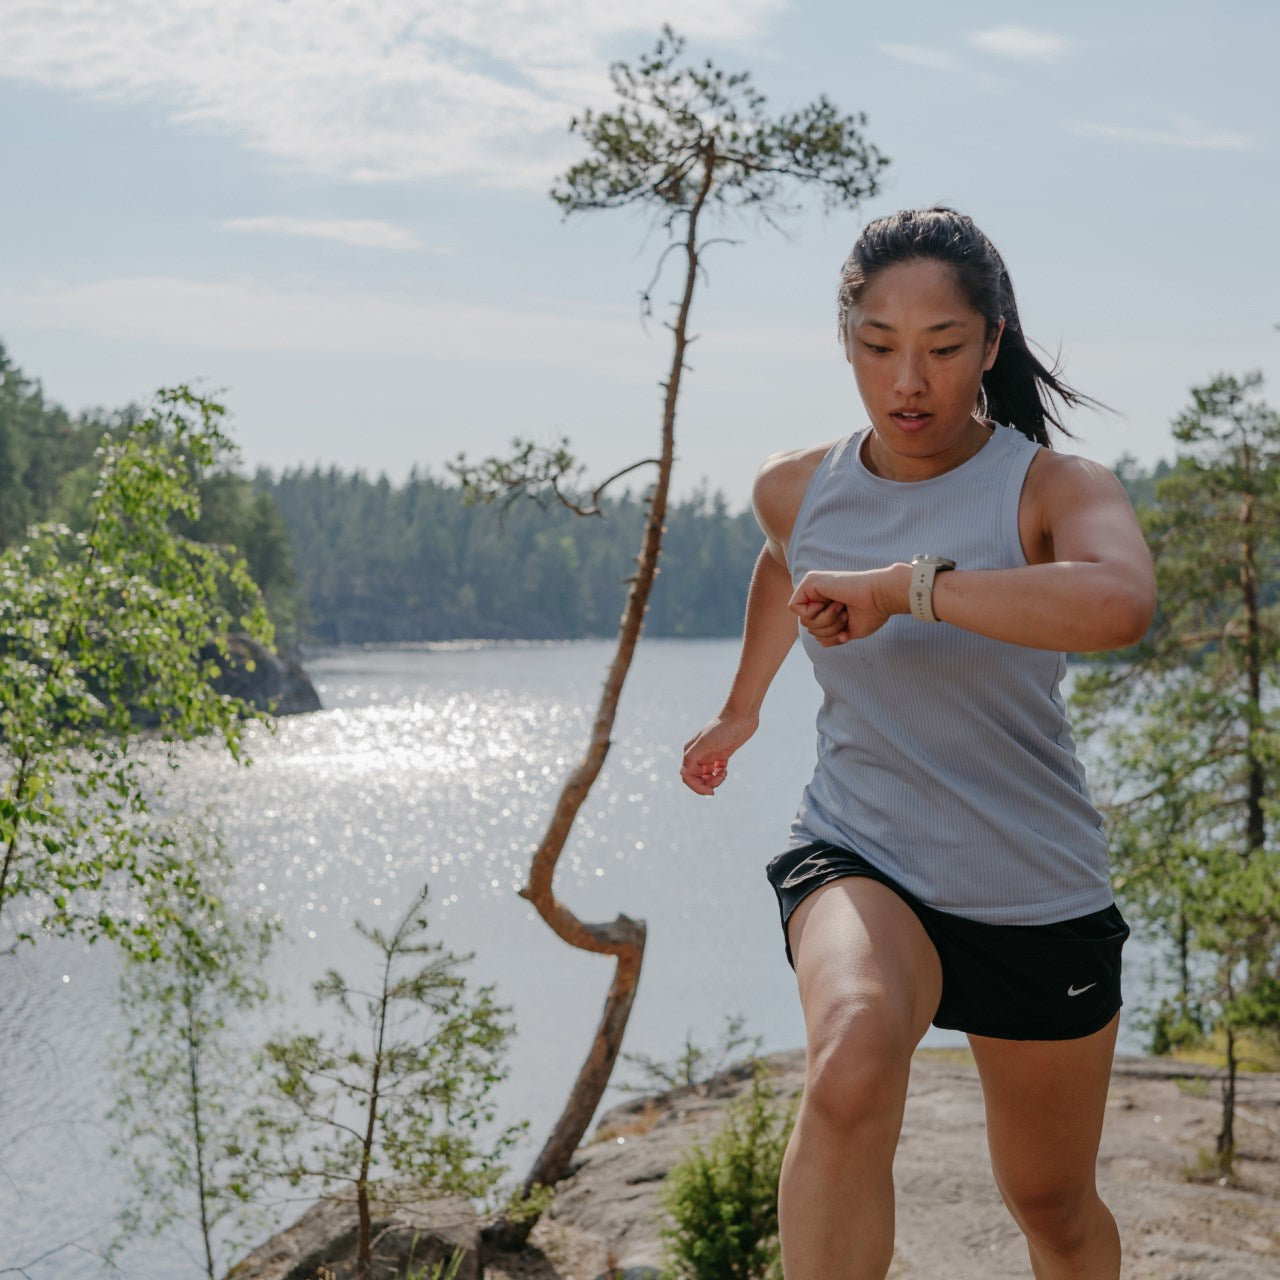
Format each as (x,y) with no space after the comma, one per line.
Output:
(723,1199)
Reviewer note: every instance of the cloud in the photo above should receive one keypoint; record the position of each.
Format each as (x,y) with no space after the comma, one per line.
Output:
(1185,133)
(918,56)
(248,315)
(1020,42)
(362,89)
(362,233)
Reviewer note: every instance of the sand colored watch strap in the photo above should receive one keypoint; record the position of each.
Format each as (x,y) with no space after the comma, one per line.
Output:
(923,571)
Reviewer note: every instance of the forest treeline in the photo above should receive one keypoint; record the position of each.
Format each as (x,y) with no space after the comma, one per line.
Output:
(383,562)
(49,467)
(346,559)
(342,558)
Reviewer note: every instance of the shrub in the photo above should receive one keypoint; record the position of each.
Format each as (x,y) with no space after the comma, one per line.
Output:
(723,1198)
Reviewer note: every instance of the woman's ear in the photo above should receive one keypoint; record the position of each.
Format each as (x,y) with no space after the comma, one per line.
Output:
(993,346)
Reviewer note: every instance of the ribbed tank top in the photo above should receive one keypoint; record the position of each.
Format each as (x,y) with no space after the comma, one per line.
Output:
(944,757)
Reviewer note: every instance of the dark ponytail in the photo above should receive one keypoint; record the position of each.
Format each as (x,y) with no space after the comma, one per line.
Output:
(1018,389)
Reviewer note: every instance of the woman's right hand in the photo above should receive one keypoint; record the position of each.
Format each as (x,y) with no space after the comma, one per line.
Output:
(706,754)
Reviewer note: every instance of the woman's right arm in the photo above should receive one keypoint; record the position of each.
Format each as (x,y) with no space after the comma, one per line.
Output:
(770,627)
(767,635)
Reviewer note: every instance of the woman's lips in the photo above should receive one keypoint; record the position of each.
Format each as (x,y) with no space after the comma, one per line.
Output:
(910,421)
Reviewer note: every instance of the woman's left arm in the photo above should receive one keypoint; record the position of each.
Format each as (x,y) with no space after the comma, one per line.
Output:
(1089,586)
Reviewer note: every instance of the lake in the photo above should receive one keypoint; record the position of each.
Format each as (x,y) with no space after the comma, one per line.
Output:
(438,764)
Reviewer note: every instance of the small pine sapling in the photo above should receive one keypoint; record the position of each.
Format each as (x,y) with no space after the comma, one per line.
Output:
(415,1101)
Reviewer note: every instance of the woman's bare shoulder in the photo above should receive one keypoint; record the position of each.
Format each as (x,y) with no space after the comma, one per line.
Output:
(1059,482)
(780,487)
(1050,466)
(1066,497)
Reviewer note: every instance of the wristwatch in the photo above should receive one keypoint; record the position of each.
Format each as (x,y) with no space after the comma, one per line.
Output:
(923,571)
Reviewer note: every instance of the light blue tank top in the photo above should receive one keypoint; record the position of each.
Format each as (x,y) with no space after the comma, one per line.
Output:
(944,757)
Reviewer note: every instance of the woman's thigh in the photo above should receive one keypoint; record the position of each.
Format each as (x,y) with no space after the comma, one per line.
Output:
(868,975)
(1045,1103)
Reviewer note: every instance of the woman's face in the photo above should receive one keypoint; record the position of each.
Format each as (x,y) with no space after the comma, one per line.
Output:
(919,351)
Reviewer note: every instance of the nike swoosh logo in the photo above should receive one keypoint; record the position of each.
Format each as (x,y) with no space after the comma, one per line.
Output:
(1079,991)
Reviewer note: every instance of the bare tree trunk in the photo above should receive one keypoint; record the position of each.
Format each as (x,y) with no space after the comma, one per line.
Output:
(622,938)
(364,1233)
(1255,828)
(553,1160)
(196,1092)
(1255,729)
(1184,964)
(1227,1134)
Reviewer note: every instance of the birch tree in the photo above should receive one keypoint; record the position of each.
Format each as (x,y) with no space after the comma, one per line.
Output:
(104,628)
(181,1107)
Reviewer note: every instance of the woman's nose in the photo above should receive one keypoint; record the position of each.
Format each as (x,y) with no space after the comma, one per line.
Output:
(909,376)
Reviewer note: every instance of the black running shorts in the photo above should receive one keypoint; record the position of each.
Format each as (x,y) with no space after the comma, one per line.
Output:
(1015,982)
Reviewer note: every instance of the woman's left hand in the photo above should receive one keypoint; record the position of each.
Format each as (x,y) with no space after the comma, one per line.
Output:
(838,607)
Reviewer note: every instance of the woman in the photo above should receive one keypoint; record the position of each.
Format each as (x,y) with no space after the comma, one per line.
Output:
(946,864)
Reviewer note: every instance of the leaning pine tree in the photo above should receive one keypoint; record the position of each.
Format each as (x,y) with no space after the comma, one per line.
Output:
(687,142)
(1194,732)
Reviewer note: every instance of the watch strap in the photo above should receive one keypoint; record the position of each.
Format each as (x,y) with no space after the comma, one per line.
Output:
(923,571)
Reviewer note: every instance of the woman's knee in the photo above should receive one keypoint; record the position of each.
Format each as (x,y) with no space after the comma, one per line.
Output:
(857,1074)
(1056,1214)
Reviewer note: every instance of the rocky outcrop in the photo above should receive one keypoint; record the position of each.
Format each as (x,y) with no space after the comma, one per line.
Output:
(409,1232)
(265,680)
(606,1221)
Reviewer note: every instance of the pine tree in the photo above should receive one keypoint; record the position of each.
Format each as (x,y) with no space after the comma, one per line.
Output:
(685,142)
(1193,730)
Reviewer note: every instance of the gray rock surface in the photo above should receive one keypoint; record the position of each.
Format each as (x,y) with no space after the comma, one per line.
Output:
(407,1230)
(951,1224)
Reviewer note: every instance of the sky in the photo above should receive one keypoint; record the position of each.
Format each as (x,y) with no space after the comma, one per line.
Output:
(335,213)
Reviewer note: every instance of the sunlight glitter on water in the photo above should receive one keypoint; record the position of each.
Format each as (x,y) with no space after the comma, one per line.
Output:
(406,786)
(454,738)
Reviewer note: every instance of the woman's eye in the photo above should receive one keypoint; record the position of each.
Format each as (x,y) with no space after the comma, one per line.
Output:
(946,351)
(875,350)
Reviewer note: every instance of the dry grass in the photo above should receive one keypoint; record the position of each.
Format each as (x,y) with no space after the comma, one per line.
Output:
(1253,1054)
(958,1055)
(641,1122)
